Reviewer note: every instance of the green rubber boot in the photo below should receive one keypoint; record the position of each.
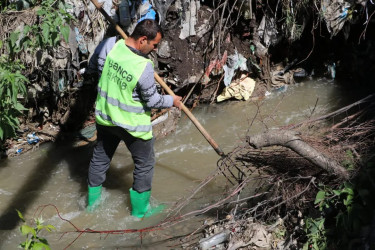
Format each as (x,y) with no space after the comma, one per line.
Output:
(141,204)
(93,197)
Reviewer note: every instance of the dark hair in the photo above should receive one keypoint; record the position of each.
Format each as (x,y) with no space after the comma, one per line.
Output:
(147,27)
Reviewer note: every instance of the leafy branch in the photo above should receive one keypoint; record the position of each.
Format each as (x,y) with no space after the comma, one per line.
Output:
(33,240)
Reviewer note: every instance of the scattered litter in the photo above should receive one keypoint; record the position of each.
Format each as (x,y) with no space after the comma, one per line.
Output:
(267,30)
(32,138)
(335,14)
(233,63)
(87,132)
(18,151)
(215,67)
(146,11)
(331,68)
(278,80)
(207,243)
(240,90)
(189,20)
(160,119)
(164,49)
(281,89)
(81,43)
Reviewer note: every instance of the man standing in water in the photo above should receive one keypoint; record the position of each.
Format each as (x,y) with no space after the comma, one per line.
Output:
(126,94)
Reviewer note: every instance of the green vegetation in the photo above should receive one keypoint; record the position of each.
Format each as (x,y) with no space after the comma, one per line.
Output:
(12,85)
(344,210)
(328,199)
(51,27)
(293,14)
(316,234)
(33,240)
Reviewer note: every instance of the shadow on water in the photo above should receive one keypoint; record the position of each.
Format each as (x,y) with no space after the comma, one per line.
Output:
(62,149)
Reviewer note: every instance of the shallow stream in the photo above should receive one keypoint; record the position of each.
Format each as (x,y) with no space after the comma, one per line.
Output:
(57,174)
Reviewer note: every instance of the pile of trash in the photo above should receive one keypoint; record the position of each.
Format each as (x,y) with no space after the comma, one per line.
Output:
(56,72)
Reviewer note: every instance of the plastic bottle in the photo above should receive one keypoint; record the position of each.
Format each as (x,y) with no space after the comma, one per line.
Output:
(214,240)
(124,13)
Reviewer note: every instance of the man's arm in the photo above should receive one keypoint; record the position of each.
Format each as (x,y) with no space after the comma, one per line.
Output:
(97,60)
(148,92)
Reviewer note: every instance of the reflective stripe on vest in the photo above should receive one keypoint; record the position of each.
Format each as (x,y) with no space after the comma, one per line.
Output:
(115,105)
(138,128)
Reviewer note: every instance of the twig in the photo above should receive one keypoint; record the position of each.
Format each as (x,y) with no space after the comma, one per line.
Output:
(364,31)
(291,198)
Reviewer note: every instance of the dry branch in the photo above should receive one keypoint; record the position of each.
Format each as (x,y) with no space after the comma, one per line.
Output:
(289,139)
(367,99)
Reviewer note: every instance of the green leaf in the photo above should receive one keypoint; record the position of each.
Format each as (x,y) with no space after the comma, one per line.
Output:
(8,120)
(348,200)
(65,30)
(26,29)
(25,229)
(1,133)
(55,38)
(49,228)
(58,21)
(19,213)
(28,244)
(8,130)
(321,224)
(19,107)
(13,38)
(45,31)
(21,88)
(40,246)
(14,93)
(336,192)
(41,12)
(306,246)
(320,196)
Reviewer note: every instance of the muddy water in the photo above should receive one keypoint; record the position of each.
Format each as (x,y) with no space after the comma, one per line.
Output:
(57,175)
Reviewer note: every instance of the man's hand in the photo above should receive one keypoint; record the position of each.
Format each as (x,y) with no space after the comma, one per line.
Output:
(177,101)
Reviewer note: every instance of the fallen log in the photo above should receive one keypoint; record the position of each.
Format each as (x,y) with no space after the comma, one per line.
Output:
(291,140)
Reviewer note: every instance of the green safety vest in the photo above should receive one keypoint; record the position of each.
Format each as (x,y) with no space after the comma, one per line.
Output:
(114,104)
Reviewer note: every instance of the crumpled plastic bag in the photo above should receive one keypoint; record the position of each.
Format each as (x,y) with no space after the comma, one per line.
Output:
(335,14)
(189,20)
(240,90)
(234,62)
(267,30)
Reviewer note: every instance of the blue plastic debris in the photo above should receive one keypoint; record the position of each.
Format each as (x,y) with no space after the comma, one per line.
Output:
(80,41)
(150,12)
(332,70)
(32,138)
(61,84)
(344,13)
(281,89)
(18,151)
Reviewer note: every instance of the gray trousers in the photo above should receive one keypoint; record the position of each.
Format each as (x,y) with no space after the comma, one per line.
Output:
(142,152)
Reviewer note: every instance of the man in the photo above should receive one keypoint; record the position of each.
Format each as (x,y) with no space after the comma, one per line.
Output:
(126,94)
